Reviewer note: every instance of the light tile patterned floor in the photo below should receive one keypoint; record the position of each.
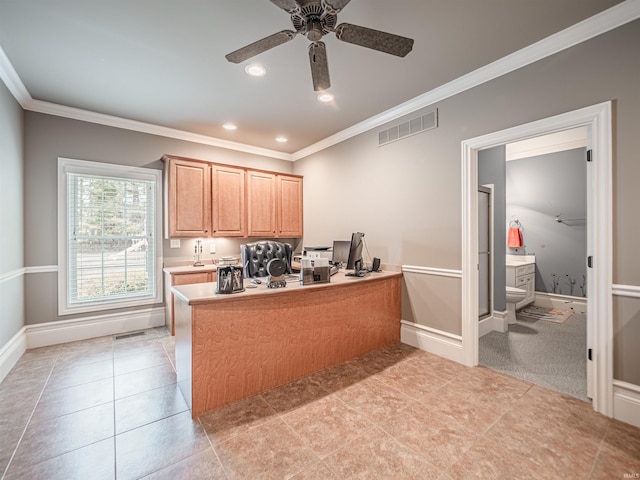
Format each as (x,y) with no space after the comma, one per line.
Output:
(108,408)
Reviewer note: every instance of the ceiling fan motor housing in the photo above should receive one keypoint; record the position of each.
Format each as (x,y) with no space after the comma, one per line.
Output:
(313,20)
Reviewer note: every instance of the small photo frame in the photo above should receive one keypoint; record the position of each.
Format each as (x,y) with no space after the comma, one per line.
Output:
(230,280)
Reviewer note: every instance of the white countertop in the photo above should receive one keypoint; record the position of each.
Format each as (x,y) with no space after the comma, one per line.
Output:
(190,269)
(519,260)
(200,293)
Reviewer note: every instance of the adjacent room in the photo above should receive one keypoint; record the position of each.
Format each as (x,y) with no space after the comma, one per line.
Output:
(316,239)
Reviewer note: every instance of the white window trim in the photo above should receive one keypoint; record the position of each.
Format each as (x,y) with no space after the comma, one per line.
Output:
(68,165)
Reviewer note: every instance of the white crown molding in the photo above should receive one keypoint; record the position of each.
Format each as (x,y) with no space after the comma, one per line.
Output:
(13,81)
(603,22)
(119,122)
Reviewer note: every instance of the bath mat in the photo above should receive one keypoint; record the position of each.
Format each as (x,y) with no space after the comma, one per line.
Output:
(548,314)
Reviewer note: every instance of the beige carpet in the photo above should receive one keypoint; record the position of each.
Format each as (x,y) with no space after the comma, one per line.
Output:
(548,314)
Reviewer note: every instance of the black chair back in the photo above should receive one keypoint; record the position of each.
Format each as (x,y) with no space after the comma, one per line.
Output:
(255,257)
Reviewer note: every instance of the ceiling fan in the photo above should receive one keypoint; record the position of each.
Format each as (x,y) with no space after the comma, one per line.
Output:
(314,19)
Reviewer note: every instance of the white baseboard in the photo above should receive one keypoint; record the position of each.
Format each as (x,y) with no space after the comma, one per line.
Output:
(485,326)
(431,340)
(11,352)
(54,333)
(497,322)
(626,402)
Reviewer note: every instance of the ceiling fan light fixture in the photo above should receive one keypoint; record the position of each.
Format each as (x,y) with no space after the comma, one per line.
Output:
(230,126)
(314,19)
(255,70)
(325,97)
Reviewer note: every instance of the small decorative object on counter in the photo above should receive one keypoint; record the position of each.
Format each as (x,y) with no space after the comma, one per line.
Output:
(226,261)
(276,269)
(230,280)
(197,258)
(314,271)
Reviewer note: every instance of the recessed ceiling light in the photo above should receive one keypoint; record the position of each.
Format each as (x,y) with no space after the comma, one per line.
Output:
(255,70)
(281,139)
(229,126)
(325,97)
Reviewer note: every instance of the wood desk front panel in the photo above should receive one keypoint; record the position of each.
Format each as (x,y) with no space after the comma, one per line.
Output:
(251,344)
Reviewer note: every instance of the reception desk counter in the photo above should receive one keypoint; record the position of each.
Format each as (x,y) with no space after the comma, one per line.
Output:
(229,347)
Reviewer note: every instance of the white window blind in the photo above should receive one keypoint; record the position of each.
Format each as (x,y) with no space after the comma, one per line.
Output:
(110,238)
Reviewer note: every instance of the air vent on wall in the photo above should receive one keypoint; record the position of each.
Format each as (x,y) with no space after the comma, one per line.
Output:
(425,122)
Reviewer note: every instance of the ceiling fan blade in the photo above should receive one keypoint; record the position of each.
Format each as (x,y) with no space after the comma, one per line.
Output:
(375,39)
(260,46)
(319,66)
(334,6)
(289,6)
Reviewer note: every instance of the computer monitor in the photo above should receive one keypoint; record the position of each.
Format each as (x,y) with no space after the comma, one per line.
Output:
(340,251)
(355,251)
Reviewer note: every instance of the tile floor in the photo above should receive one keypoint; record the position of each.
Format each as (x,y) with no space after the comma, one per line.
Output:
(108,408)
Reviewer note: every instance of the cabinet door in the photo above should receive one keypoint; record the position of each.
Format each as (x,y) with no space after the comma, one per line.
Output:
(189,199)
(261,204)
(289,206)
(227,207)
(531,288)
(190,278)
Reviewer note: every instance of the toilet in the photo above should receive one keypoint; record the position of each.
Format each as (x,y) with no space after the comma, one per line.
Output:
(514,295)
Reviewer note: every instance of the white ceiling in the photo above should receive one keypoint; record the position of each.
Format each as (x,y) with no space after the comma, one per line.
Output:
(161,62)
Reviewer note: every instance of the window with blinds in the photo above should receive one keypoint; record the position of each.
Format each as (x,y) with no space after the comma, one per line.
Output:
(111,236)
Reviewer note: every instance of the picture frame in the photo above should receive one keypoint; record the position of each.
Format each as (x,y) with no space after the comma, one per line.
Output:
(230,279)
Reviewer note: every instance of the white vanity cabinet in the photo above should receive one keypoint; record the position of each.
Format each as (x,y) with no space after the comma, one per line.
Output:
(522,275)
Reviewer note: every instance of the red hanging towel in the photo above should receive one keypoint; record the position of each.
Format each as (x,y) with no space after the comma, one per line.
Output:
(514,240)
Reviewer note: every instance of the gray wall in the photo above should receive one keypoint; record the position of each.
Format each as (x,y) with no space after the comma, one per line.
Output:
(47,138)
(406,196)
(537,189)
(11,217)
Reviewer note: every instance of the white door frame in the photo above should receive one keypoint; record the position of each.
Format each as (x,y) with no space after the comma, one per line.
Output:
(597,119)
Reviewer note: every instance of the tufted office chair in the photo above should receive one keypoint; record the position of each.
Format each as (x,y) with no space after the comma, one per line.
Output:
(255,256)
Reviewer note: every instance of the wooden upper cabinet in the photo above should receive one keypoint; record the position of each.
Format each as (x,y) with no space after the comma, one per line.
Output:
(289,203)
(227,201)
(204,199)
(189,198)
(261,204)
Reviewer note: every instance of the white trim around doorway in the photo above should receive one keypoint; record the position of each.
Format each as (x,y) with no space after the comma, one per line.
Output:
(597,119)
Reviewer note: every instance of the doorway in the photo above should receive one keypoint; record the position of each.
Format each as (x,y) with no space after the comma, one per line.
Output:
(545,342)
(597,119)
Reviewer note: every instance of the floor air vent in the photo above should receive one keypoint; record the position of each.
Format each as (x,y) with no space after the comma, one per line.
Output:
(129,335)
(423,123)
